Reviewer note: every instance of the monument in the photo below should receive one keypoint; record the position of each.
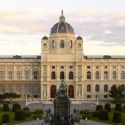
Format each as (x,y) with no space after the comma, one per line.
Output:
(62,106)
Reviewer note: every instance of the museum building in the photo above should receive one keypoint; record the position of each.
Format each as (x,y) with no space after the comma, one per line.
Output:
(61,58)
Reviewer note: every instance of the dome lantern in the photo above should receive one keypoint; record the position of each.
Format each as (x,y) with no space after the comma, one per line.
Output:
(62,27)
(62,18)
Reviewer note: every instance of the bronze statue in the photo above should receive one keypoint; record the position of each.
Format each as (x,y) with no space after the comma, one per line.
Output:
(62,106)
(75,117)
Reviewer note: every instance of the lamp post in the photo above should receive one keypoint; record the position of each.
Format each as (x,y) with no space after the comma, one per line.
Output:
(97,102)
(26,99)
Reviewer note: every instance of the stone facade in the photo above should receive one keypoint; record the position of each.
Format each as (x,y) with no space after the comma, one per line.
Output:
(61,57)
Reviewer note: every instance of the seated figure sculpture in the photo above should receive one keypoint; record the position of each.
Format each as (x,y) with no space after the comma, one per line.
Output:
(75,117)
(62,91)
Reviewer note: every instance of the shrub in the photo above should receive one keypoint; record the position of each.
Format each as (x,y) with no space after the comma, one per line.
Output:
(118,107)
(1,109)
(19,115)
(123,123)
(117,117)
(5,107)
(108,107)
(85,113)
(99,108)
(104,115)
(123,108)
(38,111)
(27,113)
(16,107)
(96,114)
(38,114)
(5,118)
(25,109)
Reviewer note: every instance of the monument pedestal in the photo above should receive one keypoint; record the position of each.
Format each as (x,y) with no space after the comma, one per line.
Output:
(62,105)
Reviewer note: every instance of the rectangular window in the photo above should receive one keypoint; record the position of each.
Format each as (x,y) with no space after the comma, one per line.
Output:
(88,67)
(97,67)
(53,67)
(62,67)
(70,67)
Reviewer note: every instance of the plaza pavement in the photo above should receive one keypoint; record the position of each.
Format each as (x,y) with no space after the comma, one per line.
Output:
(40,122)
(46,106)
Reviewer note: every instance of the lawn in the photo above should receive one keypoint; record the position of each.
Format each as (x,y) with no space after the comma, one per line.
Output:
(33,116)
(12,118)
(104,116)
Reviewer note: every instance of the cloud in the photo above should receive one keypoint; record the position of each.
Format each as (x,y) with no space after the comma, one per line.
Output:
(29,21)
(108,27)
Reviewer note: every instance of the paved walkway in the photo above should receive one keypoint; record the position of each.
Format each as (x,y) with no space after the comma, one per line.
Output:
(40,122)
(43,106)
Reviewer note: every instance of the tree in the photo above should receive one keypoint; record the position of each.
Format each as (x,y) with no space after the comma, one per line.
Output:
(19,115)
(1,97)
(5,107)
(118,107)
(120,93)
(10,96)
(117,117)
(99,108)
(117,93)
(104,115)
(108,107)
(5,118)
(16,107)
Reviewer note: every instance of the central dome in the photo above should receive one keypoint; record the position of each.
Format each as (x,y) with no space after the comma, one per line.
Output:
(62,27)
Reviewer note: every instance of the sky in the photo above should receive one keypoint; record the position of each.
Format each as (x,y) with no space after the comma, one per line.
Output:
(101,23)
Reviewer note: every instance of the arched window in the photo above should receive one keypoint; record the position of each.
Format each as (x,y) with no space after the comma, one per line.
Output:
(122,75)
(88,88)
(53,44)
(70,75)
(114,75)
(1,75)
(10,75)
(27,75)
(105,75)
(18,75)
(106,88)
(62,44)
(97,88)
(62,75)
(88,75)
(35,74)
(79,46)
(97,75)
(53,75)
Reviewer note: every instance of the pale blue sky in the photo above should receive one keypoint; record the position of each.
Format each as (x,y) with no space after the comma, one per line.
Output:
(67,5)
(100,22)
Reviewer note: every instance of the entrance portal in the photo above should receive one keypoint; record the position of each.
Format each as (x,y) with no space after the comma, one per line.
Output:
(71,91)
(52,91)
